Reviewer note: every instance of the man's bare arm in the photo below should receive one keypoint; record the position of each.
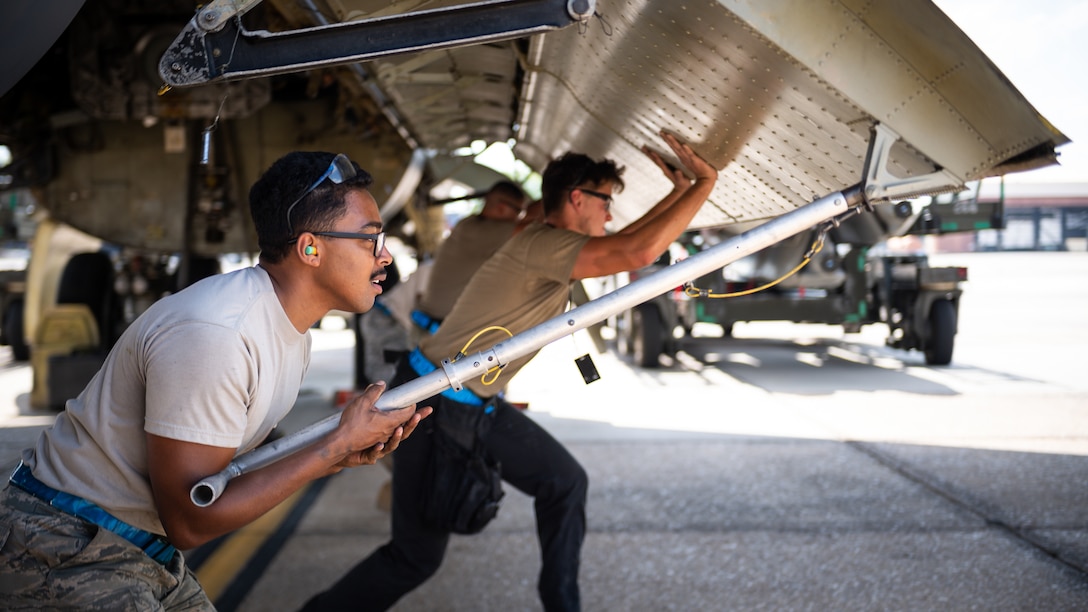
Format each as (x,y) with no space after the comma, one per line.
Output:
(639,248)
(680,184)
(363,436)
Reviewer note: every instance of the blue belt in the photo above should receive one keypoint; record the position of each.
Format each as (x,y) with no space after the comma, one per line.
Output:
(423,367)
(382,308)
(426,322)
(155,546)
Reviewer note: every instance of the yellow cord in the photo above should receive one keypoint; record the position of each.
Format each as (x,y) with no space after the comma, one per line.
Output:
(692,291)
(498,372)
(497,369)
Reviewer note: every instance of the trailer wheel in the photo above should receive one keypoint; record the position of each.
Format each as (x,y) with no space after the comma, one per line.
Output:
(88,279)
(13,331)
(625,343)
(942,333)
(647,335)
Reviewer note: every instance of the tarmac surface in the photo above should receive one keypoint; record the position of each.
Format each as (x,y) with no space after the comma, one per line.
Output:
(791,467)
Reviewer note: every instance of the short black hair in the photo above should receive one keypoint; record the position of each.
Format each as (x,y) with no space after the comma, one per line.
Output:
(509,188)
(284,181)
(572,170)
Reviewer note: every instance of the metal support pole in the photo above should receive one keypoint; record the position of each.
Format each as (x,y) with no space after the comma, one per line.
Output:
(452,374)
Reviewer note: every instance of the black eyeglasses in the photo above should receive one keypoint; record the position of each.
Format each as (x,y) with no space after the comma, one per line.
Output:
(340,170)
(604,196)
(379,239)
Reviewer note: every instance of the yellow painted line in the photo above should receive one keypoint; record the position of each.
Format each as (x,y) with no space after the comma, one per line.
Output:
(221,568)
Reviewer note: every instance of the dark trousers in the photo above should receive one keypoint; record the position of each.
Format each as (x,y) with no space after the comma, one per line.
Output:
(532,461)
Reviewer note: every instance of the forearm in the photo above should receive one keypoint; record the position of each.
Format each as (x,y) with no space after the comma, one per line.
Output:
(662,205)
(671,221)
(625,252)
(253,494)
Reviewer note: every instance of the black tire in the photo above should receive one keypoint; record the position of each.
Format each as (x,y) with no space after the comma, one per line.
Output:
(13,331)
(88,279)
(625,343)
(942,333)
(648,336)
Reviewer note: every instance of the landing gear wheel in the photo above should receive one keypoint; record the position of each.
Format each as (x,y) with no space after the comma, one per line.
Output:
(942,333)
(13,331)
(625,343)
(648,335)
(88,279)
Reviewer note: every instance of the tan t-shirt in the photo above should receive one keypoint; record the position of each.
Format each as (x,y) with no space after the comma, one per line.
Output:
(218,363)
(524,284)
(472,241)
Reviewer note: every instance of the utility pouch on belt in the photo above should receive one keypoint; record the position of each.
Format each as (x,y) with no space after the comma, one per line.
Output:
(463,485)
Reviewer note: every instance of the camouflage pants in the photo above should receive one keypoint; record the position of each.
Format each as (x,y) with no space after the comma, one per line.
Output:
(54,561)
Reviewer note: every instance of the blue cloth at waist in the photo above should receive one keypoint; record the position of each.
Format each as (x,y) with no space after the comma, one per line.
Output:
(425,321)
(423,367)
(382,308)
(155,546)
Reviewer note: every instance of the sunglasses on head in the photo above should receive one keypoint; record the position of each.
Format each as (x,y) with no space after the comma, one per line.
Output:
(341,169)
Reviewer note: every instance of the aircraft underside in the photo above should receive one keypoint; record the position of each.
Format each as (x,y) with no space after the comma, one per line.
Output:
(852,104)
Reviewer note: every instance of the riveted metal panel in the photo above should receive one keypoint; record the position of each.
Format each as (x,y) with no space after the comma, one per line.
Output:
(780,95)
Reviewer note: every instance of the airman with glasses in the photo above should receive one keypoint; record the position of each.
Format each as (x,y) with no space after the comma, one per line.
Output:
(204,374)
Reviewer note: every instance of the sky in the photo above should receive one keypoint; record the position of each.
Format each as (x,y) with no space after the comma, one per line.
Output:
(1042,47)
